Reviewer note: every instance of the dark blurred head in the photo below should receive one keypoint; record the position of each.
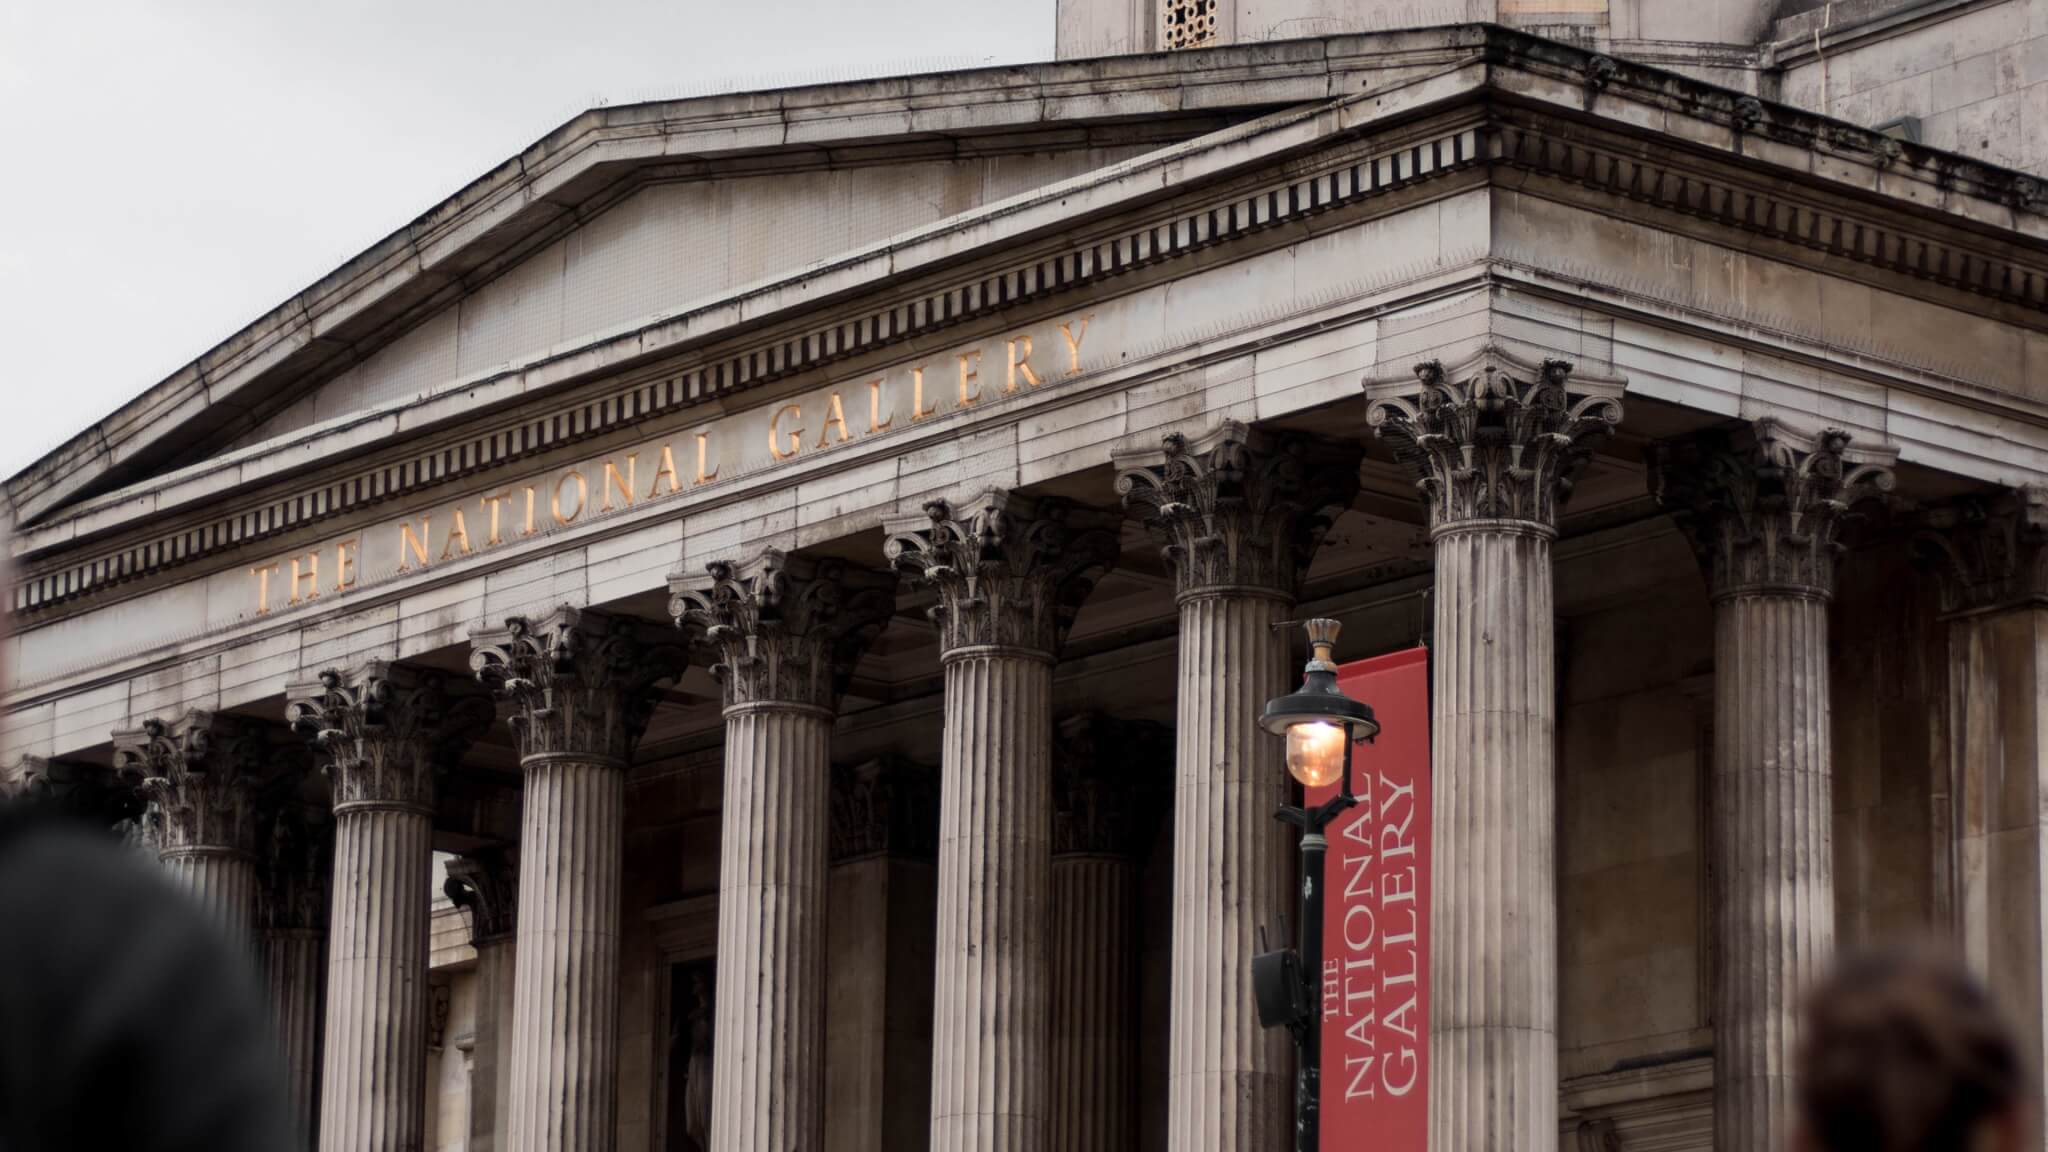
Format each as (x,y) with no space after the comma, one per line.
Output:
(1904,1051)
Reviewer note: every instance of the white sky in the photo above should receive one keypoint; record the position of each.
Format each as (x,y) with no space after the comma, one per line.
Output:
(176,168)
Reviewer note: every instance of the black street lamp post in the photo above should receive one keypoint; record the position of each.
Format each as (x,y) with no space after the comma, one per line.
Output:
(1321,725)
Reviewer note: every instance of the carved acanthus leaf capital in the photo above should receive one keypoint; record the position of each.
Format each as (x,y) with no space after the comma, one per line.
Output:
(582,682)
(199,775)
(384,731)
(296,872)
(1010,570)
(1764,505)
(1110,784)
(887,806)
(787,629)
(1237,508)
(485,883)
(1988,553)
(86,791)
(1493,438)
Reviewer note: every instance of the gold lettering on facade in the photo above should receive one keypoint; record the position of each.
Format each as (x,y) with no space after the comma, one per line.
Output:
(1020,363)
(529,511)
(417,545)
(835,417)
(309,578)
(704,446)
(458,538)
(490,504)
(875,421)
(917,409)
(796,443)
(582,497)
(622,484)
(345,563)
(263,587)
(1074,343)
(668,469)
(970,373)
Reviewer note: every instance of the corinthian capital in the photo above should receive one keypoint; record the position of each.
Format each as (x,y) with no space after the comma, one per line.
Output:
(885,806)
(582,682)
(386,731)
(198,774)
(787,629)
(486,883)
(1988,553)
(1764,505)
(1109,783)
(295,874)
(1011,571)
(1493,438)
(1236,508)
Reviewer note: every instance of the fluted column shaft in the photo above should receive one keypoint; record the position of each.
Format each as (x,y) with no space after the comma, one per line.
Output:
(490,1092)
(768,1034)
(374,1078)
(991,1022)
(1774,863)
(564,1080)
(223,881)
(1094,1033)
(1493,1024)
(1230,1081)
(295,961)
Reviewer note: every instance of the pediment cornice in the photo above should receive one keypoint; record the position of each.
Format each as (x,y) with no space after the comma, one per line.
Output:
(1897,218)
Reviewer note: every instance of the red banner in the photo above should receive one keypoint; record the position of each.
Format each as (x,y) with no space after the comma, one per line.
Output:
(1376,921)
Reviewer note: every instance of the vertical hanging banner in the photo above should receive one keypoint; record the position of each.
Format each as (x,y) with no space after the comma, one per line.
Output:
(1376,920)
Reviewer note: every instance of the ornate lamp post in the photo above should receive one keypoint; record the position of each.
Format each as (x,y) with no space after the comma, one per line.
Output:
(1321,725)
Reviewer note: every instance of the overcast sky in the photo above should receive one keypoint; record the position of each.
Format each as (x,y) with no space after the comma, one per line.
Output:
(176,168)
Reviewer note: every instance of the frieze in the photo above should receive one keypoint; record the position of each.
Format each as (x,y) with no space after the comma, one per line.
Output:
(1035,355)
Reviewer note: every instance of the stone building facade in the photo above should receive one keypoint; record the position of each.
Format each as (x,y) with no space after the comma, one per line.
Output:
(740,630)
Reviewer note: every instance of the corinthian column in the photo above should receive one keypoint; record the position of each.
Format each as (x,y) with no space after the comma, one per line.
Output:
(1762,507)
(486,884)
(582,686)
(787,632)
(1494,444)
(296,878)
(198,774)
(384,731)
(1010,573)
(1239,514)
(1106,787)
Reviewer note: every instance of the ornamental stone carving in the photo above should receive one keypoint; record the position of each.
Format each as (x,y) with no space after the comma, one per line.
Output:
(1494,438)
(1109,784)
(1236,508)
(1988,553)
(294,873)
(885,806)
(1011,570)
(1763,505)
(787,629)
(386,732)
(581,681)
(198,774)
(485,883)
(86,791)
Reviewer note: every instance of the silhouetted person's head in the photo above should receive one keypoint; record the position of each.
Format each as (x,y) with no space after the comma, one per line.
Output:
(1904,1051)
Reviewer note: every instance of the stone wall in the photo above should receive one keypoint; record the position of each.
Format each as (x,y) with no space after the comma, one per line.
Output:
(1976,79)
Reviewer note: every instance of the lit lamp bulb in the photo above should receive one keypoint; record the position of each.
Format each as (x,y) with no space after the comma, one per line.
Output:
(1315,753)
